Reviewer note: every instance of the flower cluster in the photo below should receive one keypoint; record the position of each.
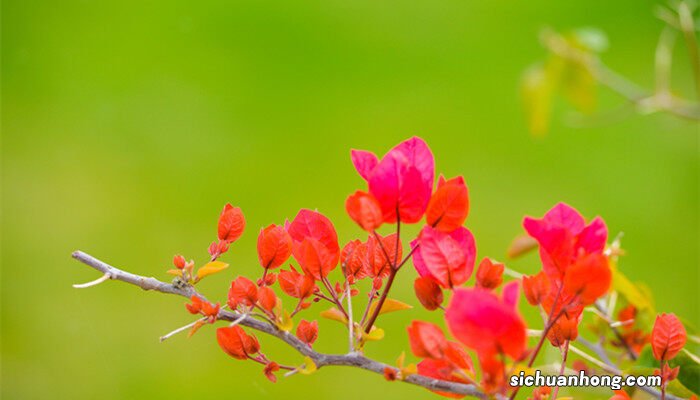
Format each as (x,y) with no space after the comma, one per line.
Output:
(489,338)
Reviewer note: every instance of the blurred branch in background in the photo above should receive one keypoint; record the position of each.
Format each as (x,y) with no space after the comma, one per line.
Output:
(574,68)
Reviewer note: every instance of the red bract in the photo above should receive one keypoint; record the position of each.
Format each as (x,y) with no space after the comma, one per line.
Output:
(443,370)
(236,343)
(427,340)
(267,298)
(536,288)
(448,258)
(364,209)
(588,278)
(402,181)
(489,274)
(315,243)
(563,235)
(376,262)
(483,322)
(295,284)
(428,293)
(231,223)
(492,373)
(307,332)
(668,337)
(274,246)
(449,205)
(242,291)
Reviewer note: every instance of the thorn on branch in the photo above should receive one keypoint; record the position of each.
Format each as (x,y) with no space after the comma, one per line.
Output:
(96,282)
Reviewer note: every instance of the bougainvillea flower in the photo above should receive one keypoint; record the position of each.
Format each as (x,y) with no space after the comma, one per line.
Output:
(242,291)
(536,288)
(270,369)
(454,353)
(231,223)
(427,340)
(274,246)
(449,205)
(236,343)
(483,322)
(402,181)
(443,370)
(307,331)
(315,243)
(489,274)
(668,337)
(563,235)
(295,284)
(364,209)
(448,258)
(588,278)
(428,292)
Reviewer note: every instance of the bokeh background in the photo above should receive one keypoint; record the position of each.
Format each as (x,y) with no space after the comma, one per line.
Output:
(128,125)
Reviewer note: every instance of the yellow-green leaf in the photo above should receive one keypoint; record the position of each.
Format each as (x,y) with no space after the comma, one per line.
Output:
(284,321)
(176,272)
(309,366)
(390,305)
(335,315)
(632,292)
(211,268)
(373,335)
(537,89)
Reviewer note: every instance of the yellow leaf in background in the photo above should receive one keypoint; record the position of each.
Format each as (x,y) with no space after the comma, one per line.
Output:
(410,369)
(285,322)
(335,315)
(176,272)
(401,359)
(390,305)
(211,268)
(521,245)
(537,89)
(309,366)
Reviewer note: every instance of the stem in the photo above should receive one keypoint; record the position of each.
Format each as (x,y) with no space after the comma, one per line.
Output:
(687,24)
(180,329)
(663,383)
(320,359)
(334,296)
(564,354)
(372,295)
(351,323)
(96,282)
(382,299)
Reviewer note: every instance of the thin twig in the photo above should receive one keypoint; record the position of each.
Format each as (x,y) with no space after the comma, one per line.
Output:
(320,359)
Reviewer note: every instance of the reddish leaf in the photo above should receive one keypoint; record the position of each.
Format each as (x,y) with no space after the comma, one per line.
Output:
(242,291)
(443,370)
(428,293)
(274,246)
(364,209)
(449,205)
(267,298)
(295,284)
(427,340)
(231,223)
(236,343)
(668,337)
(269,371)
(307,332)
(179,261)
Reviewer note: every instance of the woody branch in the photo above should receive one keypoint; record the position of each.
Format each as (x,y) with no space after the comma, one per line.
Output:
(320,359)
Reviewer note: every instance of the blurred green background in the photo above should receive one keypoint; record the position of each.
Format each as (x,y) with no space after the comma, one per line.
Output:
(128,125)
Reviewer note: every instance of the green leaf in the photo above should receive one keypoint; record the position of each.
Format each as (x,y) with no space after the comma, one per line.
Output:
(592,39)
(633,293)
(689,374)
